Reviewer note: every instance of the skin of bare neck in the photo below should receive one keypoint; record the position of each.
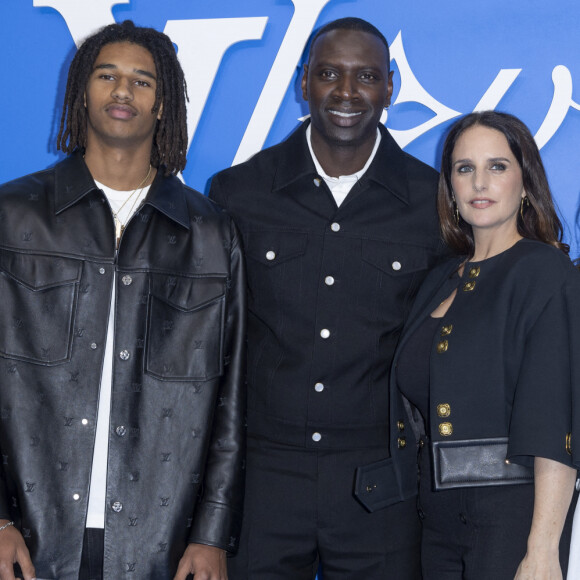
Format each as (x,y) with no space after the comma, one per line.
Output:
(336,159)
(122,169)
(489,244)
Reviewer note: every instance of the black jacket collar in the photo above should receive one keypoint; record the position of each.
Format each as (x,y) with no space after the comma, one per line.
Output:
(392,176)
(73,181)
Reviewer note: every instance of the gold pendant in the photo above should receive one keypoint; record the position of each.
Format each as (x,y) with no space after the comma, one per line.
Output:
(118,230)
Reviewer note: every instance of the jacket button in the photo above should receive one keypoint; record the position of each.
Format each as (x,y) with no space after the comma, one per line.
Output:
(444,410)
(121,431)
(400,425)
(402,442)
(445,429)
(319,387)
(117,506)
(76,496)
(270,255)
(335,227)
(442,346)
(396,265)
(469,286)
(446,330)
(127,280)
(316,437)
(124,355)
(329,280)
(325,333)
(101,270)
(93,346)
(474,272)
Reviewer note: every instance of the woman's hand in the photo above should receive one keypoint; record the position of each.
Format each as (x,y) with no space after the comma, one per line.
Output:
(538,566)
(553,489)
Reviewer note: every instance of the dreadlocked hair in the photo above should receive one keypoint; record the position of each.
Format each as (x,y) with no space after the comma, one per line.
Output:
(170,140)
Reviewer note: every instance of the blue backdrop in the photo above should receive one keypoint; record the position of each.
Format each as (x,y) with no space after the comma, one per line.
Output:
(243,66)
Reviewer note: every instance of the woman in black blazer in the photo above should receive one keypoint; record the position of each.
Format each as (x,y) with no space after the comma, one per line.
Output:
(488,358)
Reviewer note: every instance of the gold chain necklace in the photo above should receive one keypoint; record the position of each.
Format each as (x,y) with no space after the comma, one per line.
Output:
(119,226)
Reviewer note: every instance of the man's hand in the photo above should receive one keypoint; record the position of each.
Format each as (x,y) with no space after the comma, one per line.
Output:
(204,562)
(12,550)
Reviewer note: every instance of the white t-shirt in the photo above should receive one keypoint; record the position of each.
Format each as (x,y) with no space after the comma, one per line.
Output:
(340,186)
(98,488)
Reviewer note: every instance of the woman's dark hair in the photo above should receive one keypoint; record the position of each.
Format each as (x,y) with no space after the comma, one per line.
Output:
(170,140)
(540,220)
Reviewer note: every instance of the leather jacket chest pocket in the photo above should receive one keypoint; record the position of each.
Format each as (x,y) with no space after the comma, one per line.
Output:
(185,327)
(39,297)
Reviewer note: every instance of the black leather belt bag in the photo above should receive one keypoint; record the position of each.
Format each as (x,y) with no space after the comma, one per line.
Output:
(476,462)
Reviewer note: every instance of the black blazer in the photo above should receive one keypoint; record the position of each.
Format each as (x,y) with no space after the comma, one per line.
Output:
(505,359)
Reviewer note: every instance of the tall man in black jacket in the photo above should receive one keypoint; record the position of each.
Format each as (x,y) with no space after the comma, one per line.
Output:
(340,228)
(122,332)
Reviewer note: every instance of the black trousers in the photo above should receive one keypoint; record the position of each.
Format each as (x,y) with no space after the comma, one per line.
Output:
(92,555)
(300,513)
(478,533)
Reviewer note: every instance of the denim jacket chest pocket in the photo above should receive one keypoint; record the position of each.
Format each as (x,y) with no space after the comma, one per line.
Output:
(273,248)
(185,327)
(275,263)
(40,296)
(401,268)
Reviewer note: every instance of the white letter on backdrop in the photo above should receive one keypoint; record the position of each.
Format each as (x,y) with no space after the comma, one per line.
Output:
(305,16)
(412,92)
(83,17)
(500,86)
(561,103)
(202,44)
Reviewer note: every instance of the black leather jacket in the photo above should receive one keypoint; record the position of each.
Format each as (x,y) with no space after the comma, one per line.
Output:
(176,437)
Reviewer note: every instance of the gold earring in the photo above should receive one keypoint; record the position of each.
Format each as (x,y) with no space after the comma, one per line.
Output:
(455,211)
(525,201)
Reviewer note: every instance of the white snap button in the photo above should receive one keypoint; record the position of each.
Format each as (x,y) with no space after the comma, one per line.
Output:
(316,437)
(270,255)
(319,387)
(329,280)
(335,227)
(396,265)
(325,333)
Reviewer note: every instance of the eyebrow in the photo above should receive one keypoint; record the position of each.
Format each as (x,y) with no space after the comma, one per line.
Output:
(138,71)
(337,63)
(491,160)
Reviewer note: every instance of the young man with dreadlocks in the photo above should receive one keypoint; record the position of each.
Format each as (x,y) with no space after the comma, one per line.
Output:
(121,338)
